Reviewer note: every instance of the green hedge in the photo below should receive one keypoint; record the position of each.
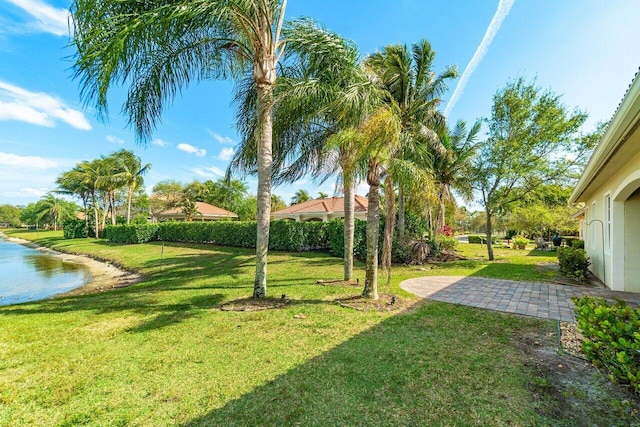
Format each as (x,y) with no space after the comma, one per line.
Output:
(133,233)
(74,228)
(335,238)
(289,236)
(224,233)
(611,337)
(481,239)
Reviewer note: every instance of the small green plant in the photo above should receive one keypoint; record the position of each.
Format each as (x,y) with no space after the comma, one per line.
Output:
(573,262)
(612,337)
(444,243)
(520,242)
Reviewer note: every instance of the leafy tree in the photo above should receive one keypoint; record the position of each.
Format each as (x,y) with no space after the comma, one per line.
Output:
(158,48)
(451,158)
(322,195)
(301,196)
(10,216)
(528,130)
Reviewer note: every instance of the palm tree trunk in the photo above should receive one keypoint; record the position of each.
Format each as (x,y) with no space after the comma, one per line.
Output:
(389,225)
(112,202)
(401,213)
(129,197)
(373,228)
(441,214)
(265,76)
(349,224)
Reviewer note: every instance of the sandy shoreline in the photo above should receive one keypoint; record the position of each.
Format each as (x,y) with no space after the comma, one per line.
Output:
(104,275)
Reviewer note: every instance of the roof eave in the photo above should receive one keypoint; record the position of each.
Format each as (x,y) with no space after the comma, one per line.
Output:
(614,136)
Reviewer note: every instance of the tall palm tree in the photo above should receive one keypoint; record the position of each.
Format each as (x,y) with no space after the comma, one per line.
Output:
(320,102)
(131,174)
(414,89)
(159,47)
(381,132)
(451,164)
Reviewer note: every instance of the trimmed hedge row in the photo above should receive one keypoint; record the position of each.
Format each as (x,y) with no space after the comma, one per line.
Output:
(133,233)
(481,239)
(612,337)
(287,236)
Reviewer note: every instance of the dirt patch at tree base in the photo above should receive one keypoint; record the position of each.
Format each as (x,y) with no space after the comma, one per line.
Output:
(570,391)
(386,302)
(255,304)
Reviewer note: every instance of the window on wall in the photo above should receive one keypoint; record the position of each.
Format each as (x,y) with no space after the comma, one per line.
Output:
(607,221)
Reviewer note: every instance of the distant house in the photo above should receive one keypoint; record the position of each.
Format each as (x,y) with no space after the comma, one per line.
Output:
(205,212)
(609,190)
(322,210)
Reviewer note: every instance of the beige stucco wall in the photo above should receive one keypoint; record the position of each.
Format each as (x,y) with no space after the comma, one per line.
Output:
(318,216)
(619,272)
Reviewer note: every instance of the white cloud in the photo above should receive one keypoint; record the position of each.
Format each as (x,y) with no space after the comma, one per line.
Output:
(114,139)
(209,172)
(188,148)
(26,162)
(37,108)
(48,18)
(221,139)
(226,154)
(159,142)
(504,6)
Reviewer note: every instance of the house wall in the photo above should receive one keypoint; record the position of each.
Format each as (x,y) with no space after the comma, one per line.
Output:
(613,243)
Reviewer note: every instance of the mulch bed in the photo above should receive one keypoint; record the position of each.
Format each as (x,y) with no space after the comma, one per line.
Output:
(338,282)
(386,302)
(255,304)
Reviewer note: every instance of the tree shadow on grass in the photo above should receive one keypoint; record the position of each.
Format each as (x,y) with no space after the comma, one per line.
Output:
(437,365)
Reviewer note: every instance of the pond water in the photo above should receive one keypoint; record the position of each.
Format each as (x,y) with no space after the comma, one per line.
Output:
(27,274)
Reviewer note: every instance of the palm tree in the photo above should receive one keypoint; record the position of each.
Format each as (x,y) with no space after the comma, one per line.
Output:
(451,164)
(131,174)
(159,47)
(322,195)
(414,91)
(50,206)
(301,196)
(381,132)
(320,103)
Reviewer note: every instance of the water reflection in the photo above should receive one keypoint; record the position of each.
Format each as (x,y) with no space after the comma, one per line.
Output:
(49,266)
(27,274)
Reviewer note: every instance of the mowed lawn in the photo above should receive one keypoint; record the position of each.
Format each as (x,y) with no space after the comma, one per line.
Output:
(163,353)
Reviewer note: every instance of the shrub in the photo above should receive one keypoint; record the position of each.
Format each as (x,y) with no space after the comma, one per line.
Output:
(578,244)
(573,262)
(133,233)
(225,233)
(444,243)
(611,337)
(520,242)
(74,228)
(480,239)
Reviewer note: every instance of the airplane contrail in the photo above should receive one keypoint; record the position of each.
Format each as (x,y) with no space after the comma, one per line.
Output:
(504,6)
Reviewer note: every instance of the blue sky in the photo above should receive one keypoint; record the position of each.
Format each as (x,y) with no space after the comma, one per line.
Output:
(586,50)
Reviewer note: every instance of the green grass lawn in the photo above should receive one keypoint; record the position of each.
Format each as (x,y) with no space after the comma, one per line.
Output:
(163,353)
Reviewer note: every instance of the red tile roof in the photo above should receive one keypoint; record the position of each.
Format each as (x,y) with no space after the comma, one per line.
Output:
(330,205)
(205,209)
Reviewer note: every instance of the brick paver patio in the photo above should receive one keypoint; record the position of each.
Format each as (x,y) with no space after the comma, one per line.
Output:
(544,300)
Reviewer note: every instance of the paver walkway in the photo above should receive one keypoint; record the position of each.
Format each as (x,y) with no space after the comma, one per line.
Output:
(544,300)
